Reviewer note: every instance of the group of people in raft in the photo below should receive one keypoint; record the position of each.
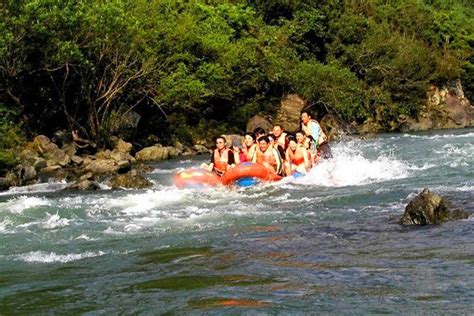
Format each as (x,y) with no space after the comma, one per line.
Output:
(279,152)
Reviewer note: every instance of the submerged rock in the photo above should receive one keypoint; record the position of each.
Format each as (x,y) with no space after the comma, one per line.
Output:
(130,180)
(84,185)
(429,208)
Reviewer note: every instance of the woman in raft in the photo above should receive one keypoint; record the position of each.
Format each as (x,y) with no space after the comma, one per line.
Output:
(296,158)
(222,158)
(249,148)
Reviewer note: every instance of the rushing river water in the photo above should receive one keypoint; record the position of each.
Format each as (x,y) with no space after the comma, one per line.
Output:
(325,243)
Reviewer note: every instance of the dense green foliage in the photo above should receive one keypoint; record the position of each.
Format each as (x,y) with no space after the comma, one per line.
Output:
(193,68)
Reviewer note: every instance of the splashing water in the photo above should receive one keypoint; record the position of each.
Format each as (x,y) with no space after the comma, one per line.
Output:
(325,242)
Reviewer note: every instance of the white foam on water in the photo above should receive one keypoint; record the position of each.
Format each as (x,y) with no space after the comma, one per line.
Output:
(111,231)
(445,136)
(52,257)
(85,237)
(350,167)
(21,203)
(53,221)
(425,166)
(4,226)
(36,188)
(163,171)
(133,204)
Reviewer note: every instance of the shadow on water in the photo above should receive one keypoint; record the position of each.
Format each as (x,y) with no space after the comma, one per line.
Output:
(191,282)
(169,255)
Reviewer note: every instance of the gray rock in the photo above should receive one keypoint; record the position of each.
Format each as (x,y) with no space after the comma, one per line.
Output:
(288,115)
(87,176)
(201,150)
(77,160)
(131,180)
(84,185)
(124,166)
(69,149)
(51,169)
(334,128)
(4,185)
(102,166)
(39,164)
(58,156)
(429,208)
(27,173)
(259,121)
(156,153)
(123,146)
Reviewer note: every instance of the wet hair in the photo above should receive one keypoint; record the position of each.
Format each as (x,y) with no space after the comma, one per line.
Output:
(220,137)
(265,139)
(250,134)
(291,138)
(259,130)
(307,112)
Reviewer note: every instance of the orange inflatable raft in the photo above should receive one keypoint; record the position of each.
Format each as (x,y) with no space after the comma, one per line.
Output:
(195,178)
(248,174)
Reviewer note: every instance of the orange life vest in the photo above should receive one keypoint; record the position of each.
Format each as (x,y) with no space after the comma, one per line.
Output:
(296,157)
(249,152)
(221,161)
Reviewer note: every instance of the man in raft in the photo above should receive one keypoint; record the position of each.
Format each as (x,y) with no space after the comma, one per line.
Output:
(268,156)
(222,158)
(280,135)
(312,128)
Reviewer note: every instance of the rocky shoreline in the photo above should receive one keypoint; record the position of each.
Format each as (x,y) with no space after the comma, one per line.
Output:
(42,159)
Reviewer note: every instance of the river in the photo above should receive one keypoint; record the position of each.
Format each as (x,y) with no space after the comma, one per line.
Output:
(328,243)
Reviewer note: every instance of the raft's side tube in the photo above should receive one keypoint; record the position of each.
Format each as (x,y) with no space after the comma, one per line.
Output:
(248,170)
(195,178)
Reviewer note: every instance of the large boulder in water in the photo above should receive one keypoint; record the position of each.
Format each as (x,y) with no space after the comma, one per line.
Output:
(430,208)
(288,115)
(130,180)
(84,185)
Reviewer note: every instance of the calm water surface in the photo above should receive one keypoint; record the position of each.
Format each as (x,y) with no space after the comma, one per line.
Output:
(325,243)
